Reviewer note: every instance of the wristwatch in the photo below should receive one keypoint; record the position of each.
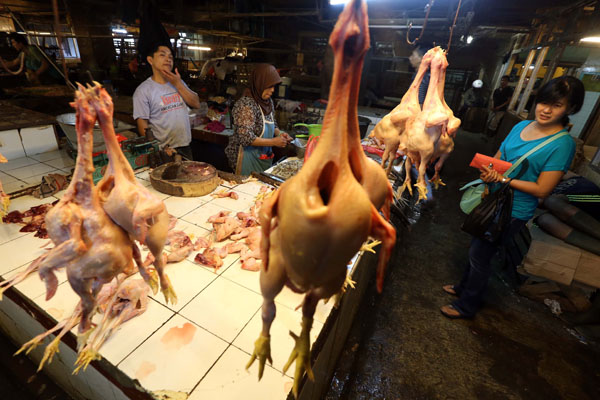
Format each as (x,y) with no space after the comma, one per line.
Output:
(504,180)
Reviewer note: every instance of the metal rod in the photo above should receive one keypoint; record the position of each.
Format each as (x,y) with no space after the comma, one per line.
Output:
(428,6)
(57,30)
(452,27)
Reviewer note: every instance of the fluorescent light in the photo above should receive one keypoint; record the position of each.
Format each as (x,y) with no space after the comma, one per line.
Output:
(469,39)
(119,30)
(201,48)
(591,39)
(338,2)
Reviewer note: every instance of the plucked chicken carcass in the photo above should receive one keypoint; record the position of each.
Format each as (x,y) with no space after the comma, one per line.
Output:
(91,246)
(127,202)
(424,131)
(390,131)
(318,219)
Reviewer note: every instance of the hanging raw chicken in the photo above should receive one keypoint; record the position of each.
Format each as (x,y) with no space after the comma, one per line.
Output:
(91,246)
(317,220)
(127,202)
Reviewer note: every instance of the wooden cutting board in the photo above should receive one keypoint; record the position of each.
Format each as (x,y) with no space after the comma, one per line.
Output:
(195,179)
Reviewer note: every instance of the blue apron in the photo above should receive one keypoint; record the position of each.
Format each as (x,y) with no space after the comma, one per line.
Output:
(259,158)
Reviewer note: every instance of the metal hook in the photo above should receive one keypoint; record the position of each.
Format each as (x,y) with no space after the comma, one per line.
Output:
(452,27)
(428,8)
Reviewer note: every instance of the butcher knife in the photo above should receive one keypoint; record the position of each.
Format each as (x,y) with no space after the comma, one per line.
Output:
(268,178)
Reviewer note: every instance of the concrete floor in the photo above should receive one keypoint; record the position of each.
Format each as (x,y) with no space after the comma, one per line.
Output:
(401,347)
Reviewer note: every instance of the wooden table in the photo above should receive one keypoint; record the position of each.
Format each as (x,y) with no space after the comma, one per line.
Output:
(14,117)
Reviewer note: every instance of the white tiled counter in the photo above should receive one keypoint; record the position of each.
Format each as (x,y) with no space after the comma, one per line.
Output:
(197,348)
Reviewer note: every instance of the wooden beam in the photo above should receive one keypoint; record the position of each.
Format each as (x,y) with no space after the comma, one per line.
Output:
(515,96)
(529,88)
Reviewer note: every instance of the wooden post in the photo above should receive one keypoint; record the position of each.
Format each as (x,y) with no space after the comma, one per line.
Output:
(515,96)
(529,88)
(554,63)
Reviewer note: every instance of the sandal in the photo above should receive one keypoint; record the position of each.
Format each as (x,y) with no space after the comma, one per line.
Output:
(450,312)
(450,290)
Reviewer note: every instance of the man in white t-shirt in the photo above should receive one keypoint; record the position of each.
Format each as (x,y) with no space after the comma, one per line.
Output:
(160,103)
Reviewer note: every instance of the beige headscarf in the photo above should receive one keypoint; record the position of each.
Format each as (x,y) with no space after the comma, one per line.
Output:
(263,77)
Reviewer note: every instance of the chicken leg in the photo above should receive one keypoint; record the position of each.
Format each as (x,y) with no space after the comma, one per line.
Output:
(307,235)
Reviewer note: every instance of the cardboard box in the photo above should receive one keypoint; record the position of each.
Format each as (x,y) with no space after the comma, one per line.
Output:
(556,260)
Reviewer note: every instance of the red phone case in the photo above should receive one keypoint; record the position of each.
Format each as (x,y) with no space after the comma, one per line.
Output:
(481,160)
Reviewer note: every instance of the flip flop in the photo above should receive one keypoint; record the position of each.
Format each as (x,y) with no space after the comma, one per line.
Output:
(450,290)
(450,312)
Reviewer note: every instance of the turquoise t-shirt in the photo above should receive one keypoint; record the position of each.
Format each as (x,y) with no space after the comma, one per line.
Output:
(555,156)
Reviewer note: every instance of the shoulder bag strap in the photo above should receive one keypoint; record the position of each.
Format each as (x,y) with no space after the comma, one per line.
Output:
(536,148)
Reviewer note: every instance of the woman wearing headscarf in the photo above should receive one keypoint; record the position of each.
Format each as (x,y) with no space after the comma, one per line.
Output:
(255,129)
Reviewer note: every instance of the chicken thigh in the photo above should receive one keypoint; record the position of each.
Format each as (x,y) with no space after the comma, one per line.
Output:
(127,202)
(318,219)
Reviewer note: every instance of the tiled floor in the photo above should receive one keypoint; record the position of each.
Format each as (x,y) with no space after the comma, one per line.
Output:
(200,345)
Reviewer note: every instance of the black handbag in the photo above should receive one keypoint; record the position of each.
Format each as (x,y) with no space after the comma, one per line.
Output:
(491,216)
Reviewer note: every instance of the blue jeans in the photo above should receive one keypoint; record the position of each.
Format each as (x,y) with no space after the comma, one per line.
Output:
(475,278)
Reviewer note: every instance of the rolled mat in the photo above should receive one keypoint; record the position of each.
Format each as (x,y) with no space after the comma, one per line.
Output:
(584,222)
(583,241)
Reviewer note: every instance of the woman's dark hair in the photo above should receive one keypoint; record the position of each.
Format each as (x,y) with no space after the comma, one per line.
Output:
(18,38)
(566,87)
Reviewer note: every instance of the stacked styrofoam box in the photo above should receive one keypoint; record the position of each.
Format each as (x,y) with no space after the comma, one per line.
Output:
(27,142)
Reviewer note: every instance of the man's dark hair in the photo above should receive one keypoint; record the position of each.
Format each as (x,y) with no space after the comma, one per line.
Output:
(566,87)
(18,38)
(155,47)
(506,77)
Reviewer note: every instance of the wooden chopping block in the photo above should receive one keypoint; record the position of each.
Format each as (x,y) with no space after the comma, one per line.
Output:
(195,185)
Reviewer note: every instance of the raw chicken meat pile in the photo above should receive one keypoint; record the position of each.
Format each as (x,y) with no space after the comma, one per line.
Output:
(423,135)
(241,229)
(318,219)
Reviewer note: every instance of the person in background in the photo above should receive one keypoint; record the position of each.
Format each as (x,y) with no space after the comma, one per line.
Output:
(37,67)
(473,97)
(500,99)
(556,100)
(255,129)
(159,103)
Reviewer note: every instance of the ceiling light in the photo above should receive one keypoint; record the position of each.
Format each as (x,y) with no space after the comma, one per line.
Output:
(591,39)
(201,48)
(532,66)
(469,39)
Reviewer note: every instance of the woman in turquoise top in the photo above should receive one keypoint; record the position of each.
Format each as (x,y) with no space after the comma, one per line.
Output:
(556,100)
